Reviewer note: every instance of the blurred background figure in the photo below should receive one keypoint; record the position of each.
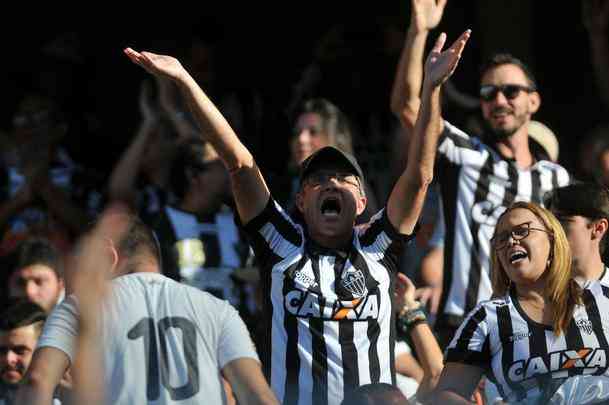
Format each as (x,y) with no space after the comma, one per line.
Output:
(35,272)
(200,242)
(43,191)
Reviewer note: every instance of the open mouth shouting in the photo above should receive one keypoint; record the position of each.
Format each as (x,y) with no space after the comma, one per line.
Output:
(517,255)
(331,207)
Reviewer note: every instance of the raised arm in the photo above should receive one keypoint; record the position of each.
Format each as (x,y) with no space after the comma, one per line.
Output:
(124,175)
(408,195)
(595,16)
(405,94)
(249,188)
(425,344)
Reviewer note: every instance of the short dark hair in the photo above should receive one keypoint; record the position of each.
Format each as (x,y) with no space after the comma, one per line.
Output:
(500,59)
(20,312)
(138,240)
(194,154)
(376,393)
(589,200)
(333,121)
(33,251)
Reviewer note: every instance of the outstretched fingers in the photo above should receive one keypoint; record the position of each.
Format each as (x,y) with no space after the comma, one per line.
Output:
(440,41)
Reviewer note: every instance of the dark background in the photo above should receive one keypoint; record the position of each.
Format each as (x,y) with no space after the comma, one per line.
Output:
(265,48)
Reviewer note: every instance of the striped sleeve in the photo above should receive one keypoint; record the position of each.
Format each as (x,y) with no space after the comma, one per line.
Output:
(272,234)
(381,240)
(456,146)
(470,343)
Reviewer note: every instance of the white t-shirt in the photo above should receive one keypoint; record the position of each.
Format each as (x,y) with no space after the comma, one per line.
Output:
(164,342)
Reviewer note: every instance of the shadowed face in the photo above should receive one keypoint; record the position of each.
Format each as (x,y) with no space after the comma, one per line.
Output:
(38,283)
(309,137)
(16,349)
(330,200)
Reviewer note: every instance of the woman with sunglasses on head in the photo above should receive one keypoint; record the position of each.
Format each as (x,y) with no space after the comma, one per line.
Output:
(541,339)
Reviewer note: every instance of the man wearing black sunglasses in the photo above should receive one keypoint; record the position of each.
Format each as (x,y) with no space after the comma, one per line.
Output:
(478,178)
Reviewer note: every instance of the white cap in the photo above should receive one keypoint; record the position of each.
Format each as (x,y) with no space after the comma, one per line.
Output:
(545,137)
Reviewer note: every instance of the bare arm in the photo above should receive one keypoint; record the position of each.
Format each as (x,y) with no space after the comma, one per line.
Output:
(457,383)
(425,343)
(249,188)
(595,16)
(405,94)
(408,195)
(124,175)
(43,375)
(248,382)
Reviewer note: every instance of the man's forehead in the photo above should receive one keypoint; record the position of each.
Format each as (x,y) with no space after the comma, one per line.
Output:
(35,270)
(22,335)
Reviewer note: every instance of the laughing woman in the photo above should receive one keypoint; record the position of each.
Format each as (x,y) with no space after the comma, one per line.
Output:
(541,339)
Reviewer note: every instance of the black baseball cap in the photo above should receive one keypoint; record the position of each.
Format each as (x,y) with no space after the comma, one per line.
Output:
(330,155)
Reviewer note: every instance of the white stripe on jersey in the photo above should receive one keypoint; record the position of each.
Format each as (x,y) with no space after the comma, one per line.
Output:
(477,185)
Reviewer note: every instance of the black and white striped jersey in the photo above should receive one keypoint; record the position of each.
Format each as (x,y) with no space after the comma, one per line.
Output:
(477,186)
(525,359)
(330,316)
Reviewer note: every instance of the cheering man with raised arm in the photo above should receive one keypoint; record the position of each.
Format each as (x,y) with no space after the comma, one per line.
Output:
(328,285)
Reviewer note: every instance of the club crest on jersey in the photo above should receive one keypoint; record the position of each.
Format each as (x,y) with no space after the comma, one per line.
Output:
(558,363)
(353,280)
(585,326)
(307,304)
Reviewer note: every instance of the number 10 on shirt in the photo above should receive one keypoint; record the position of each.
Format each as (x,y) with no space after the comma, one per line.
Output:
(147,330)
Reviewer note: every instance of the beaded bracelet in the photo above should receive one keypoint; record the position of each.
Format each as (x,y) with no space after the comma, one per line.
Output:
(410,319)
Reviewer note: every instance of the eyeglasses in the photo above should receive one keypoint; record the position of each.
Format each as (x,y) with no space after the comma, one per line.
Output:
(519,232)
(489,91)
(318,178)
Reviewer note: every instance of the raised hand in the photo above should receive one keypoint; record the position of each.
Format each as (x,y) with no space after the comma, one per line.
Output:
(404,292)
(440,65)
(426,14)
(158,65)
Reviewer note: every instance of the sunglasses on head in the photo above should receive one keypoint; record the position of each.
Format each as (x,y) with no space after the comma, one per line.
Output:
(489,91)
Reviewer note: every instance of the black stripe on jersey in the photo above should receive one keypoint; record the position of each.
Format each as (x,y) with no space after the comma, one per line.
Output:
(345,340)
(470,327)
(372,232)
(555,184)
(318,346)
(594,315)
(459,141)
(536,196)
(461,352)
(605,291)
(475,270)
(449,183)
(537,340)
(292,359)
(270,215)
(504,323)
(574,340)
